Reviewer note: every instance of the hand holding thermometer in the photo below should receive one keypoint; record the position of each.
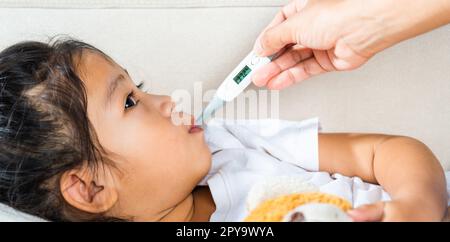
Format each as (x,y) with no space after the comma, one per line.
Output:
(234,84)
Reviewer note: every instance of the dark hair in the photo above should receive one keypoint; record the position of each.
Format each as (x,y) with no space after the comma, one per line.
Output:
(44,127)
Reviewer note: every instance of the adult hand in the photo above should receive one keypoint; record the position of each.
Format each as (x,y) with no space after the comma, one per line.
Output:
(317,36)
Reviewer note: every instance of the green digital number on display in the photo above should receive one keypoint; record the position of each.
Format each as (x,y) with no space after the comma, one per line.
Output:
(242,74)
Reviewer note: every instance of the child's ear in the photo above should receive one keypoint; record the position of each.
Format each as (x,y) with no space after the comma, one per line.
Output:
(88,192)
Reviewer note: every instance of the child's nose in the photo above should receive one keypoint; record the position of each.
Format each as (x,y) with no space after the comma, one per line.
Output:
(166,106)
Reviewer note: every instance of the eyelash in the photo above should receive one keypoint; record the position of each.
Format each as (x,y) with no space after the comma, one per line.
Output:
(140,86)
(132,95)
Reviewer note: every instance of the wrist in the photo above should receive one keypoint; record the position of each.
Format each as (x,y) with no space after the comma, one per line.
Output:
(386,22)
(411,18)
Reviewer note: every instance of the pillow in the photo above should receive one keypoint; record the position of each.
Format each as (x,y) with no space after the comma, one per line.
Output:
(8,214)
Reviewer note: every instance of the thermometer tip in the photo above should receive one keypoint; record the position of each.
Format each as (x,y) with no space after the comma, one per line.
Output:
(215,104)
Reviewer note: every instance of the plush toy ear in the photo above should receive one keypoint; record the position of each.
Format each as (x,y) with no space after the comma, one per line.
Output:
(88,192)
(274,187)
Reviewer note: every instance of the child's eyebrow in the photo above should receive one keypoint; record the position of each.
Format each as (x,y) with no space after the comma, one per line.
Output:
(113,86)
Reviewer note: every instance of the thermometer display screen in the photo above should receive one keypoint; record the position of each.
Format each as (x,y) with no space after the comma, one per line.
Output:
(242,74)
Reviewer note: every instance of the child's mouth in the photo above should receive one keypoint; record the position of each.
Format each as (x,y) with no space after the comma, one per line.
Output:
(195,129)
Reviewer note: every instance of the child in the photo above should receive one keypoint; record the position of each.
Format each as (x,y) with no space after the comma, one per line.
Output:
(81,142)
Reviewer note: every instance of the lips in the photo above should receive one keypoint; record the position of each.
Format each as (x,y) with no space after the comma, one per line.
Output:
(194,128)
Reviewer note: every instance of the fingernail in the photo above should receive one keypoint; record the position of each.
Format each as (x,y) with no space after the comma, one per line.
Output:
(258,48)
(278,84)
(257,80)
(352,212)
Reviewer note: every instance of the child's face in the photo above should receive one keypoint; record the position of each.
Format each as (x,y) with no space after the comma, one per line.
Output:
(159,163)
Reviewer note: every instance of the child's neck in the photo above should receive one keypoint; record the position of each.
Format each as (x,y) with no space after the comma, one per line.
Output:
(203,204)
(196,207)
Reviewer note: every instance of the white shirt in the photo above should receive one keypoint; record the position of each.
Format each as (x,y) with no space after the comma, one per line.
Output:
(246,152)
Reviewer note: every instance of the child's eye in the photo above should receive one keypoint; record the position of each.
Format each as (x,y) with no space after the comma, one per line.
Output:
(130,102)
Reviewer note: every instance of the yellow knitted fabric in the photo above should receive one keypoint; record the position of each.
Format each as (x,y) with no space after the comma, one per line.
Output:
(273,210)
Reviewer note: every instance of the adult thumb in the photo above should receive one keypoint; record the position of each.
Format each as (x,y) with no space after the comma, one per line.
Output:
(276,38)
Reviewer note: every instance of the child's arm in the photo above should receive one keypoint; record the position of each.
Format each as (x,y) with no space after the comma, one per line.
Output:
(405,167)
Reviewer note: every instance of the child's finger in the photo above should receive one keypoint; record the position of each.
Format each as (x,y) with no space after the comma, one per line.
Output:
(368,213)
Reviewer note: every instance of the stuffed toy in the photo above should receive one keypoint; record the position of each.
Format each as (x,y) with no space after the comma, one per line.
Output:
(291,199)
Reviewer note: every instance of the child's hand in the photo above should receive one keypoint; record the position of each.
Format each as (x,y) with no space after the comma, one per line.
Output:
(393,211)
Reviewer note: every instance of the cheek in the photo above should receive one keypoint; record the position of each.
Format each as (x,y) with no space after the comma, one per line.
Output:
(160,175)
(158,157)
(159,150)
(153,174)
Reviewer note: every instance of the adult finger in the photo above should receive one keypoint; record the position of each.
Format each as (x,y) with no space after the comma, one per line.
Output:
(285,61)
(285,13)
(302,71)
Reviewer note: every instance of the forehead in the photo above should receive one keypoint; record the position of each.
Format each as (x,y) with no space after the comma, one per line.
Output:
(96,70)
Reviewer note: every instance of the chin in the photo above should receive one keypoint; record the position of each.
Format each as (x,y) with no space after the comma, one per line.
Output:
(205,162)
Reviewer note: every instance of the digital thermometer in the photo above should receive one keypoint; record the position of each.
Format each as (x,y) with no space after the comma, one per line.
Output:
(234,84)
